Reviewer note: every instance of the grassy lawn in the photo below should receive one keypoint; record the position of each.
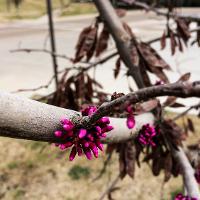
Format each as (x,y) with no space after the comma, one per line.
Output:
(30,9)
(79,8)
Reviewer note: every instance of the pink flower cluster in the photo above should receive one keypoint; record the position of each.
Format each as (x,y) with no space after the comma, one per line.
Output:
(197,175)
(182,197)
(83,141)
(147,134)
(130,122)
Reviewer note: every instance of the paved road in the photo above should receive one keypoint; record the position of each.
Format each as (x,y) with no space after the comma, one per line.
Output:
(22,70)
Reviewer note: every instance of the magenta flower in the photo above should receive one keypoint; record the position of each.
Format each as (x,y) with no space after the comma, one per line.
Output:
(130,122)
(182,197)
(197,175)
(83,141)
(146,135)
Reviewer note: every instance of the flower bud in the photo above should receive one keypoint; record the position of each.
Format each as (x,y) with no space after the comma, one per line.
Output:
(79,150)
(58,133)
(130,121)
(72,153)
(66,145)
(88,153)
(82,133)
(68,127)
(104,120)
(107,129)
(99,145)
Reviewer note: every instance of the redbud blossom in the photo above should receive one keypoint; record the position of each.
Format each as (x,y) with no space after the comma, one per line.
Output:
(58,133)
(182,197)
(82,140)
(146,135)
(130,122)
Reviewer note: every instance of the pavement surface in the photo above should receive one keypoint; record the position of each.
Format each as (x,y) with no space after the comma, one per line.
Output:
(29,70)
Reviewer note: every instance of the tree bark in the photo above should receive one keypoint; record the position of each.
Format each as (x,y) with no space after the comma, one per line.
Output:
(121,37)
(187,171)
(28,119)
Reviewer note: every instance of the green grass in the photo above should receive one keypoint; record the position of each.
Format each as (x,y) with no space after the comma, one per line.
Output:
(13,165)
(19,194)
(31,9)
(78,9)
(77,172)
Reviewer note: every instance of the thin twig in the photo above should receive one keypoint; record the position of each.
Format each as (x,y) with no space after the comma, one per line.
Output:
(105,164)
(110,187)
(61,71)
(178,89)
(158,12)
(196,106)
(29,50)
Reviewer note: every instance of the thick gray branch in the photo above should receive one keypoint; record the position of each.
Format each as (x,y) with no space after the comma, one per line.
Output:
(188,174)
(121,37)
(28,119)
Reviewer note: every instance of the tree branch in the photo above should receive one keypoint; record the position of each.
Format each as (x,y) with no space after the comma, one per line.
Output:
(196,106)
(29,50)
(23,118)
(175,89)
(28,119)
(121,37)
(188,173)
(191,17)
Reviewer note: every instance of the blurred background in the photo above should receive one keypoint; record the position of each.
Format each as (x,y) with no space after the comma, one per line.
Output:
(35,170)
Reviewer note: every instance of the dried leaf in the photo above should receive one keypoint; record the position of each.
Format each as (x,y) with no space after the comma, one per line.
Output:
(151,56)
(138,149)
(89,91)
(198,34)
(168,166)
(128,30)
(127,157)
(169,101)
(117,67)
(190,125)
(175,168)
(184,77)
(160,74)
(180,46)
(102,43)
(163,40)
(144,73)
(86,43)
(183,29)
(79,85)
(177,105)
(156,165)
(130,159)
(134,55)
(173,132)
(173,42)
(120,12)
(146,106)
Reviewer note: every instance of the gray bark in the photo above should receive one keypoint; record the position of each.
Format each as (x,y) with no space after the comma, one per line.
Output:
(23,118)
